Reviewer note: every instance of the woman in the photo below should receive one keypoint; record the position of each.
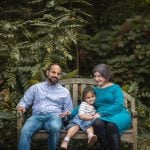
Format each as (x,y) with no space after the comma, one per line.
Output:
(114,117)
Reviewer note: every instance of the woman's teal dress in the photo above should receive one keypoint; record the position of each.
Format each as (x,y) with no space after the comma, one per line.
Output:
(109,104)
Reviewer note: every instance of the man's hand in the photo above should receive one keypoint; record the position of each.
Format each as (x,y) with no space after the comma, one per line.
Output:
(64,114)
(21,108)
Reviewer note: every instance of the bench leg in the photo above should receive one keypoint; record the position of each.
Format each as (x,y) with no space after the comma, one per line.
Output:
(135,145)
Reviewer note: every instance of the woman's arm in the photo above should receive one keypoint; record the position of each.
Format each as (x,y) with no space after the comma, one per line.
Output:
(74,112)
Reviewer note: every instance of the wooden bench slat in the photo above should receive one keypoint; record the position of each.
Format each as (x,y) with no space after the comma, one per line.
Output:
(81,135)
(67,86)
(75,94)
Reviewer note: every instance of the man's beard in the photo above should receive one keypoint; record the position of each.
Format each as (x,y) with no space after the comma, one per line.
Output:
(53,80)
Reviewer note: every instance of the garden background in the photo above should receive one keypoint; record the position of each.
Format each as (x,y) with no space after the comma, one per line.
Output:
(77,34)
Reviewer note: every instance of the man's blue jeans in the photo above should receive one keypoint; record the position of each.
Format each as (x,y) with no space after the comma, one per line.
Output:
(50,122)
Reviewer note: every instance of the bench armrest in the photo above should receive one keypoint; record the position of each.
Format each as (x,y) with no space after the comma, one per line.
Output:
(20,121)
(19,114)
(134,113)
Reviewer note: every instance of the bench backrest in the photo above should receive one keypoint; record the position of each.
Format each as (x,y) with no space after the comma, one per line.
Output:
(76,86)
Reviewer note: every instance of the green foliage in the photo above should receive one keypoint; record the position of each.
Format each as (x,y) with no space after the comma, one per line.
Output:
(131,45)
(71,74)
(43,35)
(8,130)
(5,101)
(126,49)
(142,110)
(112,12)
(35,33)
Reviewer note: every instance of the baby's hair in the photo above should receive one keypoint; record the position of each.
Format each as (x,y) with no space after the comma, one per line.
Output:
(86,90)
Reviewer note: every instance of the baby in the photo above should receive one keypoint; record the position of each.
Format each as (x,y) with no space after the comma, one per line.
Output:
(84,119)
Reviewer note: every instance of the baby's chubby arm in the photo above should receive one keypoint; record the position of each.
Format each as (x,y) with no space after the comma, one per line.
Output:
(89,117)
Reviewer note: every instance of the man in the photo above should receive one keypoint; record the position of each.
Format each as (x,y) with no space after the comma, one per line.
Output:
(50,102)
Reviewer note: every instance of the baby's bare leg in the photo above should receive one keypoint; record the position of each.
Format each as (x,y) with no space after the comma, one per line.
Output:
(90,130)
(91,137)
(70,133)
